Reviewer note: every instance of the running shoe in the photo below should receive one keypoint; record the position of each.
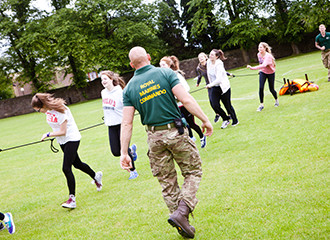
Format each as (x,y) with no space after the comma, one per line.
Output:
(225,124)
(193,138)
(276,104)
(98,180)
(203,142)
(235,124)
(133,151)
(10,223)
(217,117)
(133,175)
(70,203)
(259,109)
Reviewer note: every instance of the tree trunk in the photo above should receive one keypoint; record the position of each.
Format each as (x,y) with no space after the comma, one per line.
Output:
(245,56)
(79,77)
(295,49)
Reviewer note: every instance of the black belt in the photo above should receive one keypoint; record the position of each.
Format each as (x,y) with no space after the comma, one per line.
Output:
(162,127)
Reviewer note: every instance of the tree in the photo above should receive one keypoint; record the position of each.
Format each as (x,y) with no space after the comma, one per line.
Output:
(169,24)
(200,24)
(238,23)
(14,20)
(6,90)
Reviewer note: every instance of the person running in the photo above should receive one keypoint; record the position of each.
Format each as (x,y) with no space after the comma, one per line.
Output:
(7,218)
(173,63)
(152,93)
(220,88)
(60,119)
(112,101)
(266,69)
(322,42)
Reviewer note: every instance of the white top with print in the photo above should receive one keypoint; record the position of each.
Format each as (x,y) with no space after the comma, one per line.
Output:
(55,119)
(112,102)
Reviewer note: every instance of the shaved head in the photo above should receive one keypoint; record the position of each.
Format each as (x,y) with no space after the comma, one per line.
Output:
(138,57)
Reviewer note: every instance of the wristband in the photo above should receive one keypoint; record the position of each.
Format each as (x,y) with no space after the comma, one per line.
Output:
(48,134)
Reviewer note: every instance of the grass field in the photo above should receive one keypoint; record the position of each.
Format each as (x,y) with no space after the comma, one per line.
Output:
(267,178)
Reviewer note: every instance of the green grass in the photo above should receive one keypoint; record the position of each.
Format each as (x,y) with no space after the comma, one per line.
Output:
(267,178)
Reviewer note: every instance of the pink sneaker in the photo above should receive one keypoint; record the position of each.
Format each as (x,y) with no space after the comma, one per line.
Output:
(71,203)
(98,181)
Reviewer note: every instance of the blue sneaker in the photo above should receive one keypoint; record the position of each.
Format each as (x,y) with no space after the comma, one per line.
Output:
(203,142)
(133,174)
(10,223)
(133,151)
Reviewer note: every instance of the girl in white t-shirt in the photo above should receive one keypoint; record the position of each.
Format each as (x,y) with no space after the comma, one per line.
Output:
(112,101)
(65,130)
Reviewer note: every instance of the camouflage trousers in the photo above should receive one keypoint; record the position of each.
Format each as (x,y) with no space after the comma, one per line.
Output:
(326,61)
(165,147)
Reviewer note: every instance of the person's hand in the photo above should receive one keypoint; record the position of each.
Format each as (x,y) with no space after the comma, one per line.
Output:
(248,66)
(209,128)
(197,85)
(207,86)
(125,162)
(322,48)
(44,136)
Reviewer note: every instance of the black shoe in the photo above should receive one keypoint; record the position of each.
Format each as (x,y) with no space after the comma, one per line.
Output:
(216,119)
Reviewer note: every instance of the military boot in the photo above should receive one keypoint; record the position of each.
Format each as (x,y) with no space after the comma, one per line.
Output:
(180,220)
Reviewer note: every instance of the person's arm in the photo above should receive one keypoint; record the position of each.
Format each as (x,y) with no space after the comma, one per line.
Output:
(125,137)
(267,61)
(192,106)
(319,47)
(199,77)
(61,132)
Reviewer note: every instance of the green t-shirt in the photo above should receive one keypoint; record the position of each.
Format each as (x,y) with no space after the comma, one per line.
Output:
(150,92)
(323,41)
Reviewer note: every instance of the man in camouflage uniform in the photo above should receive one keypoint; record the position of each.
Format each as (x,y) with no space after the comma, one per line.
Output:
(152,92)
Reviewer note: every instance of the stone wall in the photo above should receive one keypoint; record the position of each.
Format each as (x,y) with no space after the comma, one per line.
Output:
(22,105)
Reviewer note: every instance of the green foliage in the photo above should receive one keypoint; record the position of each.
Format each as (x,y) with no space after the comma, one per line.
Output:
(244,33)
(201,24)
(169,26)
(6,90)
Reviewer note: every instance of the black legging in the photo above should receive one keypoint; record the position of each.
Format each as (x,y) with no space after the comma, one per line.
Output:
(70,150)
(114,140)
(271,83)
(191,121)
(2,216)
(215,97)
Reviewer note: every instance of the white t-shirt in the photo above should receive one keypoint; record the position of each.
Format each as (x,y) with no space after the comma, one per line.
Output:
(55,119)
(184,84)
(112,102)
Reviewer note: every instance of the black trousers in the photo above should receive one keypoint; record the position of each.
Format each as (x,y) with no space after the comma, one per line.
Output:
(71,157)
(114,141)
(271,83)
(2,216)
(215,97)
(191,121)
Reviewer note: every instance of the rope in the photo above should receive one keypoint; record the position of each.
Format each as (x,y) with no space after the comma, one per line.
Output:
(244,75)
(52,147)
